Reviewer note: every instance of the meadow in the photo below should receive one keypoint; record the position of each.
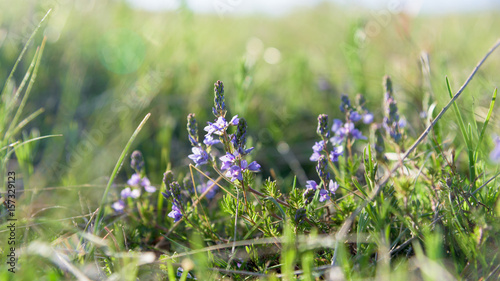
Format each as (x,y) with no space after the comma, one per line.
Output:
(325,144)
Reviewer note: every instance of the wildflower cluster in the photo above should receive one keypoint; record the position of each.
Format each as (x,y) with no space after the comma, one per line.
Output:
(233,162)
(173,192)
(221,160)
(135,184)
(322,155)
(345,132)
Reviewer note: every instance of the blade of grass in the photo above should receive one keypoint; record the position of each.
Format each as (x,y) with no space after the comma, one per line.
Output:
(486,121)
(115,172)
(18,143)
(28,90)
(467,135)
(26,121)
(22,52)
(10,104)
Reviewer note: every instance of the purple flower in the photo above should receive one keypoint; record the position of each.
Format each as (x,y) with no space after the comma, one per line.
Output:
(217,127)
(254,166)
(402,123)
(118,206)
(220,125)
(311,185)
(337,151)
(350,130)
(127,192)
(333,186)
(209,140)
(147,185)
(367,118)
(175,213)
(347,129)
(323,195)
(234,121)
(318,147)
(134,180)
(308,194)
(236,172)
(355,116)
(209,184)
(227,161)
(337,125)
(495,153)
(199,155)
(180,271)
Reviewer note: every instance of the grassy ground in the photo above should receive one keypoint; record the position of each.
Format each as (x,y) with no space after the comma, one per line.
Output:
(105,66)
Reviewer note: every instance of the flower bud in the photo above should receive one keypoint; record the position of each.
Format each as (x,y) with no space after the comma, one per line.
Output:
(322,126)
(219,103)
(240,135)
(192,128)
(137,162)
(322,169)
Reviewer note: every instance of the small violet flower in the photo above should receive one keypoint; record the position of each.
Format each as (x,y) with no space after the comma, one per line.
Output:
(325,194)
(310,191)
(204,186)
(118,206)
(345,130)
(333,186)
(134,180)
(175,213)
(236,171)
(209,140)
(337,151)
(367,118)
(127,192)
(147,185)
(318,147)
(495,153)
(220,125)
(199,156)
(227,161)
(355,116)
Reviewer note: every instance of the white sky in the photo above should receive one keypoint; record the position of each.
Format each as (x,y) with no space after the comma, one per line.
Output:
(276,7)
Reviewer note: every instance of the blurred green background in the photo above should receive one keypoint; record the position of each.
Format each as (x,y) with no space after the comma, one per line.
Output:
(106,65)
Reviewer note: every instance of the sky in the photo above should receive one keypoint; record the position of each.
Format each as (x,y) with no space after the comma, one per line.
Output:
(278,7)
